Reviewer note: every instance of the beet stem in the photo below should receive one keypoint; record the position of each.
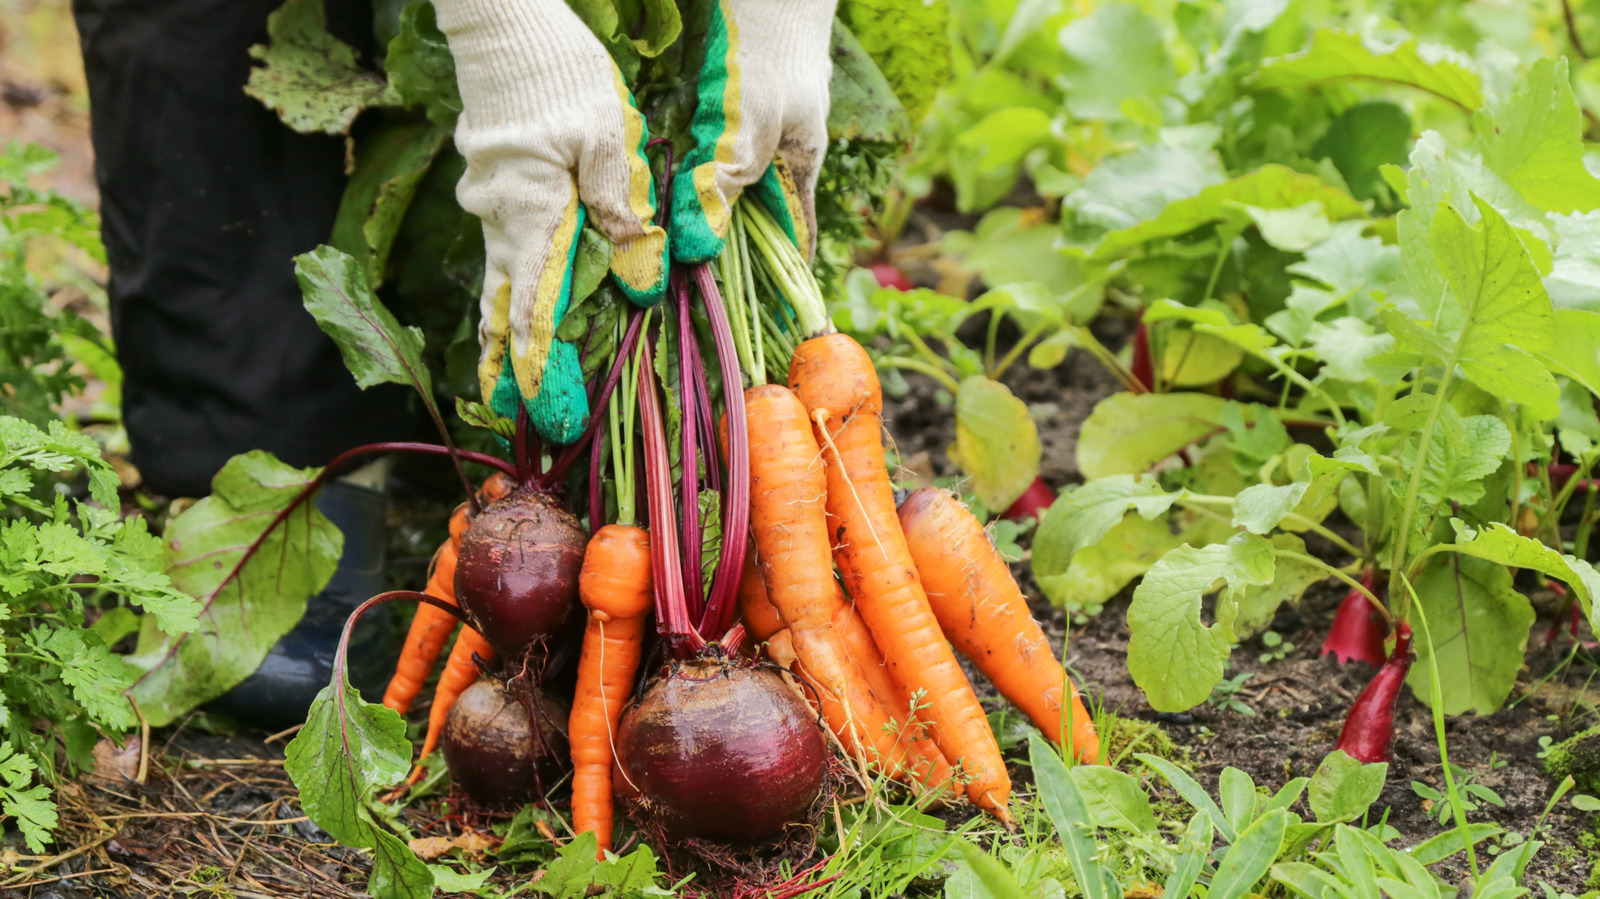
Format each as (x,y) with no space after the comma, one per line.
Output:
(720,605)
(520,445)
(692,532)
(562,465)
(672,616)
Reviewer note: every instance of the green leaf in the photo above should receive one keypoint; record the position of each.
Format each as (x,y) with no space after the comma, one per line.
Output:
(1260,507)
(389,167)
(1338,56)
(1479,625)
(376,348)
(1084,517)
(991,879)
(310,78)
(1070,814)
(1534,141)
(1290,579)
(246,604)
(30,807)
(1192,852)
(1499,302)
(1194,359)
(986,159)
(1362,140)
(1134,187)
(1099,571)
(479,415)
(348,750)
(997,443)
(1575,352)
(909,41)
(576,872)
(1250,856)
(449,880)
(1192,793)
(862,105)
(1114,799)
(1344,788)
(1127,433)
(1172,654)
(1500,544)
(420,67)
(1293,230)
(1272,186)
(1114,55)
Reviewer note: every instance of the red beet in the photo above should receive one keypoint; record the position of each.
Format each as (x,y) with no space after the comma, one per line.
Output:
(1033,503)
(717,751)
(1358,630)
(517,572)
(890,275)
(1368,733)
(499,758)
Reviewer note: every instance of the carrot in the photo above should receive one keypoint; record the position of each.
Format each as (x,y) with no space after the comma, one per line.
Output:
(835,380)
(791,533)
(432,626)
(762,621)
(459,673)
(982,611)
(615,584)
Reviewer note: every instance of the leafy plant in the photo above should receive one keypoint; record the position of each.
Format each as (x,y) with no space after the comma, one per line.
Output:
(72,572)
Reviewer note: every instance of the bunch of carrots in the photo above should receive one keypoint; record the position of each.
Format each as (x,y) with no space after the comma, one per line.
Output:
(862,601)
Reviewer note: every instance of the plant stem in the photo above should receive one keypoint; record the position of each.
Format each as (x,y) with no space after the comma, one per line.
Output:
(614,377)
(672,615)
(1021,346)
(691,533)
(1341,574)
(721,603)
(1402,537)
(917,365)
(1293,517)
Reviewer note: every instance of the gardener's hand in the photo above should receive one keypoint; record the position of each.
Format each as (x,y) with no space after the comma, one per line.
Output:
(549,132)
(762,122)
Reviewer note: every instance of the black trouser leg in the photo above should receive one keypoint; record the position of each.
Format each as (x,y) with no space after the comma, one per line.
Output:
(205,199)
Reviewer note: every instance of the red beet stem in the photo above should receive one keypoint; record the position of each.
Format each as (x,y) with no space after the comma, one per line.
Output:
(689,392)
(672,615)
(1358,630)
(558,469)
(1033,503)
(1368,734)
(720,606)
(1141,366)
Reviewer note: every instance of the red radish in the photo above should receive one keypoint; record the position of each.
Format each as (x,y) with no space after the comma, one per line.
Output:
(718,751)
(1368,734)
(890,275)
(1142,365)
(1358,631)
(1033,503)
(497,756)
(517,572)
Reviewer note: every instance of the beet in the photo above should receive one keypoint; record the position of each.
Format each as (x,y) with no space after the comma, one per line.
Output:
(1358,630)
(718,751)
(1033,503)
(517,572)
(497,757)
(1368,734)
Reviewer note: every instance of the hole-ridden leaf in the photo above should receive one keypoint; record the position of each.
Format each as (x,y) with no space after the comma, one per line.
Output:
(1336,56)
(997,443)
(1067,810)
(1479,629)
(347,751)
(309,77)
(1127,433)
(1498,543)
(1082,518)
(1343,788)
(1173,656)
(252,585)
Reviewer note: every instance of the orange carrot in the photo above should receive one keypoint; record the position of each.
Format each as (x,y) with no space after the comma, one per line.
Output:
(459,673)
(432,626)
(615,585)
(790,527)
(982,611)
(762,621)
(834,378)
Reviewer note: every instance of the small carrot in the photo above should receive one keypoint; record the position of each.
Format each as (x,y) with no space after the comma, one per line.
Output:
(762,621)
(790,527)
(459,673)
(432,626)
(982,611)
(615,584)
(835,379)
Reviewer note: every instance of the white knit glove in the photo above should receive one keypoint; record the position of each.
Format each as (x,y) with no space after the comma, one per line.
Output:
(546,125)
(761,122)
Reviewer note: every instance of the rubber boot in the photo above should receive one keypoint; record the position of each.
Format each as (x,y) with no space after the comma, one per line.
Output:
(279,693)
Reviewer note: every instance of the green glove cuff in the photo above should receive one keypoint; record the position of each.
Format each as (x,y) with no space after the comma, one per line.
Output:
(561,410)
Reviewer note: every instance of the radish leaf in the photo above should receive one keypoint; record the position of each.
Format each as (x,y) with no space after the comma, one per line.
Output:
(1127,433)
(1479,631)
(1336,56)
(1498,543)
(997,443)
